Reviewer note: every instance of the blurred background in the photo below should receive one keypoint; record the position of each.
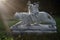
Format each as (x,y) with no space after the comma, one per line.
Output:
(9,7)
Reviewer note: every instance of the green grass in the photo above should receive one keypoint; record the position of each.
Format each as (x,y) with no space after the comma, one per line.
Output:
(1,25)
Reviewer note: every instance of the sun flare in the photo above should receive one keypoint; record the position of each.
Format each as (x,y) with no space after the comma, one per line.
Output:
(2,0)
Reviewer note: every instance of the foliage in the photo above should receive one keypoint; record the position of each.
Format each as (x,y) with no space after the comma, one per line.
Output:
(58,23)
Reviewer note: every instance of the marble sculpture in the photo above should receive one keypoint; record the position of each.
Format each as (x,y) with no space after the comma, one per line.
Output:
(34,21)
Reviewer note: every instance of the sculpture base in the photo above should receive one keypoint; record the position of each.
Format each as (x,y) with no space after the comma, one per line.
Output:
(41,28)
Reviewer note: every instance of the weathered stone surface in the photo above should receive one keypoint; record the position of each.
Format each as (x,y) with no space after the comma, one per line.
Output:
(34,21)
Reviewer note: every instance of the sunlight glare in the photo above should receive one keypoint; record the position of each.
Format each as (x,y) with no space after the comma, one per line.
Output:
(2,0)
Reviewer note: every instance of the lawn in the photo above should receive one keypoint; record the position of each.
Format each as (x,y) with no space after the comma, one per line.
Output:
(54,36)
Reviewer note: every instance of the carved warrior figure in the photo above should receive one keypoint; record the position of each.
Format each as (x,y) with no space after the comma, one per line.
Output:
(33,11)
